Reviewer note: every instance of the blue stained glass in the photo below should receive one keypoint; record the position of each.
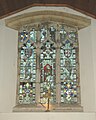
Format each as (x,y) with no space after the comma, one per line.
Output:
(23,35)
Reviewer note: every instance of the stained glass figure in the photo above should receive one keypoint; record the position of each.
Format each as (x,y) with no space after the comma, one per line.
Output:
(63,34)
(47,63)
(69,69)
(43,34)
(27,62)
(52,31)
(27,76)
(33,35)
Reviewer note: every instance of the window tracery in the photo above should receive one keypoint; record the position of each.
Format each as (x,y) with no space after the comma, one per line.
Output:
(47,41)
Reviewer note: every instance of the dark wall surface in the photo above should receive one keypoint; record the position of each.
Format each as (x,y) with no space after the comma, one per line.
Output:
(8,7)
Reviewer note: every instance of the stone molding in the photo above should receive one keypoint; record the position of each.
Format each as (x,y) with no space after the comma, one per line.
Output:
(40,108)
(49,16)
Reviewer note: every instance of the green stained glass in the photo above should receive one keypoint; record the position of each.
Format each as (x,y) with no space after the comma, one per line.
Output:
(47,63)
(69,68)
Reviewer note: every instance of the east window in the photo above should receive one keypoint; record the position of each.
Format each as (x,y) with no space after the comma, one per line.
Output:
(48,61)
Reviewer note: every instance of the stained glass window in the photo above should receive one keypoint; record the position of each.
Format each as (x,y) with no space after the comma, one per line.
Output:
(48,56)
(27,69)
(48,74)
(69,65)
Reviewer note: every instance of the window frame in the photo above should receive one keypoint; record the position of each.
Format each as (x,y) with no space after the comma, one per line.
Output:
(57,44)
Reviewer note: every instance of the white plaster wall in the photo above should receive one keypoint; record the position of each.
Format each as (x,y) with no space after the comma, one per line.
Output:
(8,71)
(86,70)
(93,38)
(8,55)
(47,116)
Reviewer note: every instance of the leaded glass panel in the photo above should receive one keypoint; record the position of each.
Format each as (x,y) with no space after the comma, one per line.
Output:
(69,66)
(43,33)
(27,70)
(26,93)
(52,31)
(63,34)
(33,33)
(27,62)
(47,65)
(23,35)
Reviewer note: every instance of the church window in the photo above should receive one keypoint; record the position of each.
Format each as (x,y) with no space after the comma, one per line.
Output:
(46,42)
(48,61)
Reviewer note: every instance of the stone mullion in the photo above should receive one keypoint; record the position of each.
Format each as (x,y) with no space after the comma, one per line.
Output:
(38,69)
(18,73)
(78,82)
(58,85)
(58,76)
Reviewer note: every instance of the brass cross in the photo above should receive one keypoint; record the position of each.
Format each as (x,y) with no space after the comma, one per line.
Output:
(48,96)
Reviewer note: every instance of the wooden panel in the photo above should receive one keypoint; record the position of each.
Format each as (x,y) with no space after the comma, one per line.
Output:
(8,7)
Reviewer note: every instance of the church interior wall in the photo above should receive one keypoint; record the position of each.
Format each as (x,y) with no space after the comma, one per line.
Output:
(8,72)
